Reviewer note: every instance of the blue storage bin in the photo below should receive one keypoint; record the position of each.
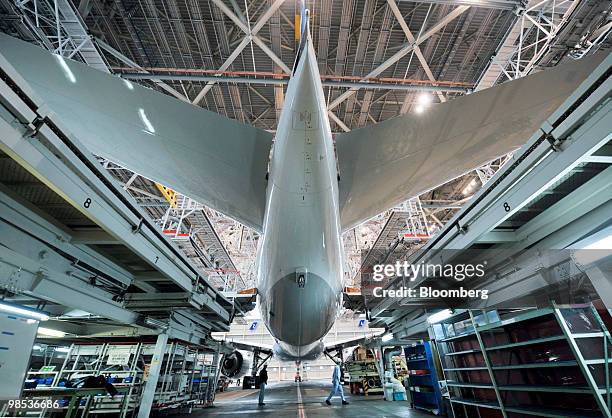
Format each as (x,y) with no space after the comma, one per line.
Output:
(399,396)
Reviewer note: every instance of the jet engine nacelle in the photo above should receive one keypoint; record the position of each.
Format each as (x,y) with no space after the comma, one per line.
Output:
(235,365)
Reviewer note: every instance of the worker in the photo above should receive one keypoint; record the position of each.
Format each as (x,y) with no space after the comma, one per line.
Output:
(263,381)
(337,386)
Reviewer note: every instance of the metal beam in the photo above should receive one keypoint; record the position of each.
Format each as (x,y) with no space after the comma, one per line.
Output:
(417,49)
(131,63)
(57,280)
(485,4)
(368,85)
(528,40)
(336,119)
(402,52)
(250,36)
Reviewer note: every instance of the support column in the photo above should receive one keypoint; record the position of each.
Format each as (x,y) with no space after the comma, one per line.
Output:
(151,384)
(212,385)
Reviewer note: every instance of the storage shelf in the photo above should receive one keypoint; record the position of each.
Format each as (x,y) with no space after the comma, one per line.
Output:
(457,353)
(551,413)
(528,342)
(500,362)
(538,388)
(423,387)
(459,336)
(588,335)
(464,369)
(568,363)
(481,404)
(469,385)
(519,318)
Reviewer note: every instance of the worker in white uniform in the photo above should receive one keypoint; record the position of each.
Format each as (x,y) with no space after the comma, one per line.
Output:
(337,386)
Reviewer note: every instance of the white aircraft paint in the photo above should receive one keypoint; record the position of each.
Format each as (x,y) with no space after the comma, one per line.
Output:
(301,228)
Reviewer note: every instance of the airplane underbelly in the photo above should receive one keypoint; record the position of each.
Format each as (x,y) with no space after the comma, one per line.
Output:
(299,268)
(301,271)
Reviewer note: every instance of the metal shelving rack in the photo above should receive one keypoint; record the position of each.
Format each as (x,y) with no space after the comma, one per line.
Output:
(184,379)
(94,359)
(424,389)
(514,365)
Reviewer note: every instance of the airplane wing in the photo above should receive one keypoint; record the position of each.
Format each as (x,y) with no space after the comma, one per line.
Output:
(201,154)
(252,346)
(384,164)
(341,345)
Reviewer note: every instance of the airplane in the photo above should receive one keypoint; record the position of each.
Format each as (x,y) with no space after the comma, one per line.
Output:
(317,186)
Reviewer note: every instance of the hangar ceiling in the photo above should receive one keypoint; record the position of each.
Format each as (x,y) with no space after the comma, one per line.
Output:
(377,58)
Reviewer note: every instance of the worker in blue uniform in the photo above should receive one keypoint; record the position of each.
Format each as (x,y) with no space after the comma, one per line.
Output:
(337,386)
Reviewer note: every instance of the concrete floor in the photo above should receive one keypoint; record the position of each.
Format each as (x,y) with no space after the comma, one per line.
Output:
(289,399)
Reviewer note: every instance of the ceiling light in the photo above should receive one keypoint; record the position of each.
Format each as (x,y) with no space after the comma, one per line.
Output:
(21,311)
(51,332)
(439,316)
(425,99)
(387,337)
(62,349)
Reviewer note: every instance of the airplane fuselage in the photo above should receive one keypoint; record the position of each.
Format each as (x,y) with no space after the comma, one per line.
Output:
(300,255)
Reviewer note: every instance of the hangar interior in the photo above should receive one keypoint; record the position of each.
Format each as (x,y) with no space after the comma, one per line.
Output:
(106,274)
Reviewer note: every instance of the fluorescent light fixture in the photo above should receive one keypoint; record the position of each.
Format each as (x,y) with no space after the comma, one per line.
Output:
(62,349)
(439,316)
(51,332)
(425,99)
(66,69)
(603,244)
(593,248)
(21,311)
(145,120)
(387,337)
(419,109)
(37,348)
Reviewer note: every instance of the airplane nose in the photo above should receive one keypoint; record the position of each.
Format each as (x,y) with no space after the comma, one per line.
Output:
(302,312)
